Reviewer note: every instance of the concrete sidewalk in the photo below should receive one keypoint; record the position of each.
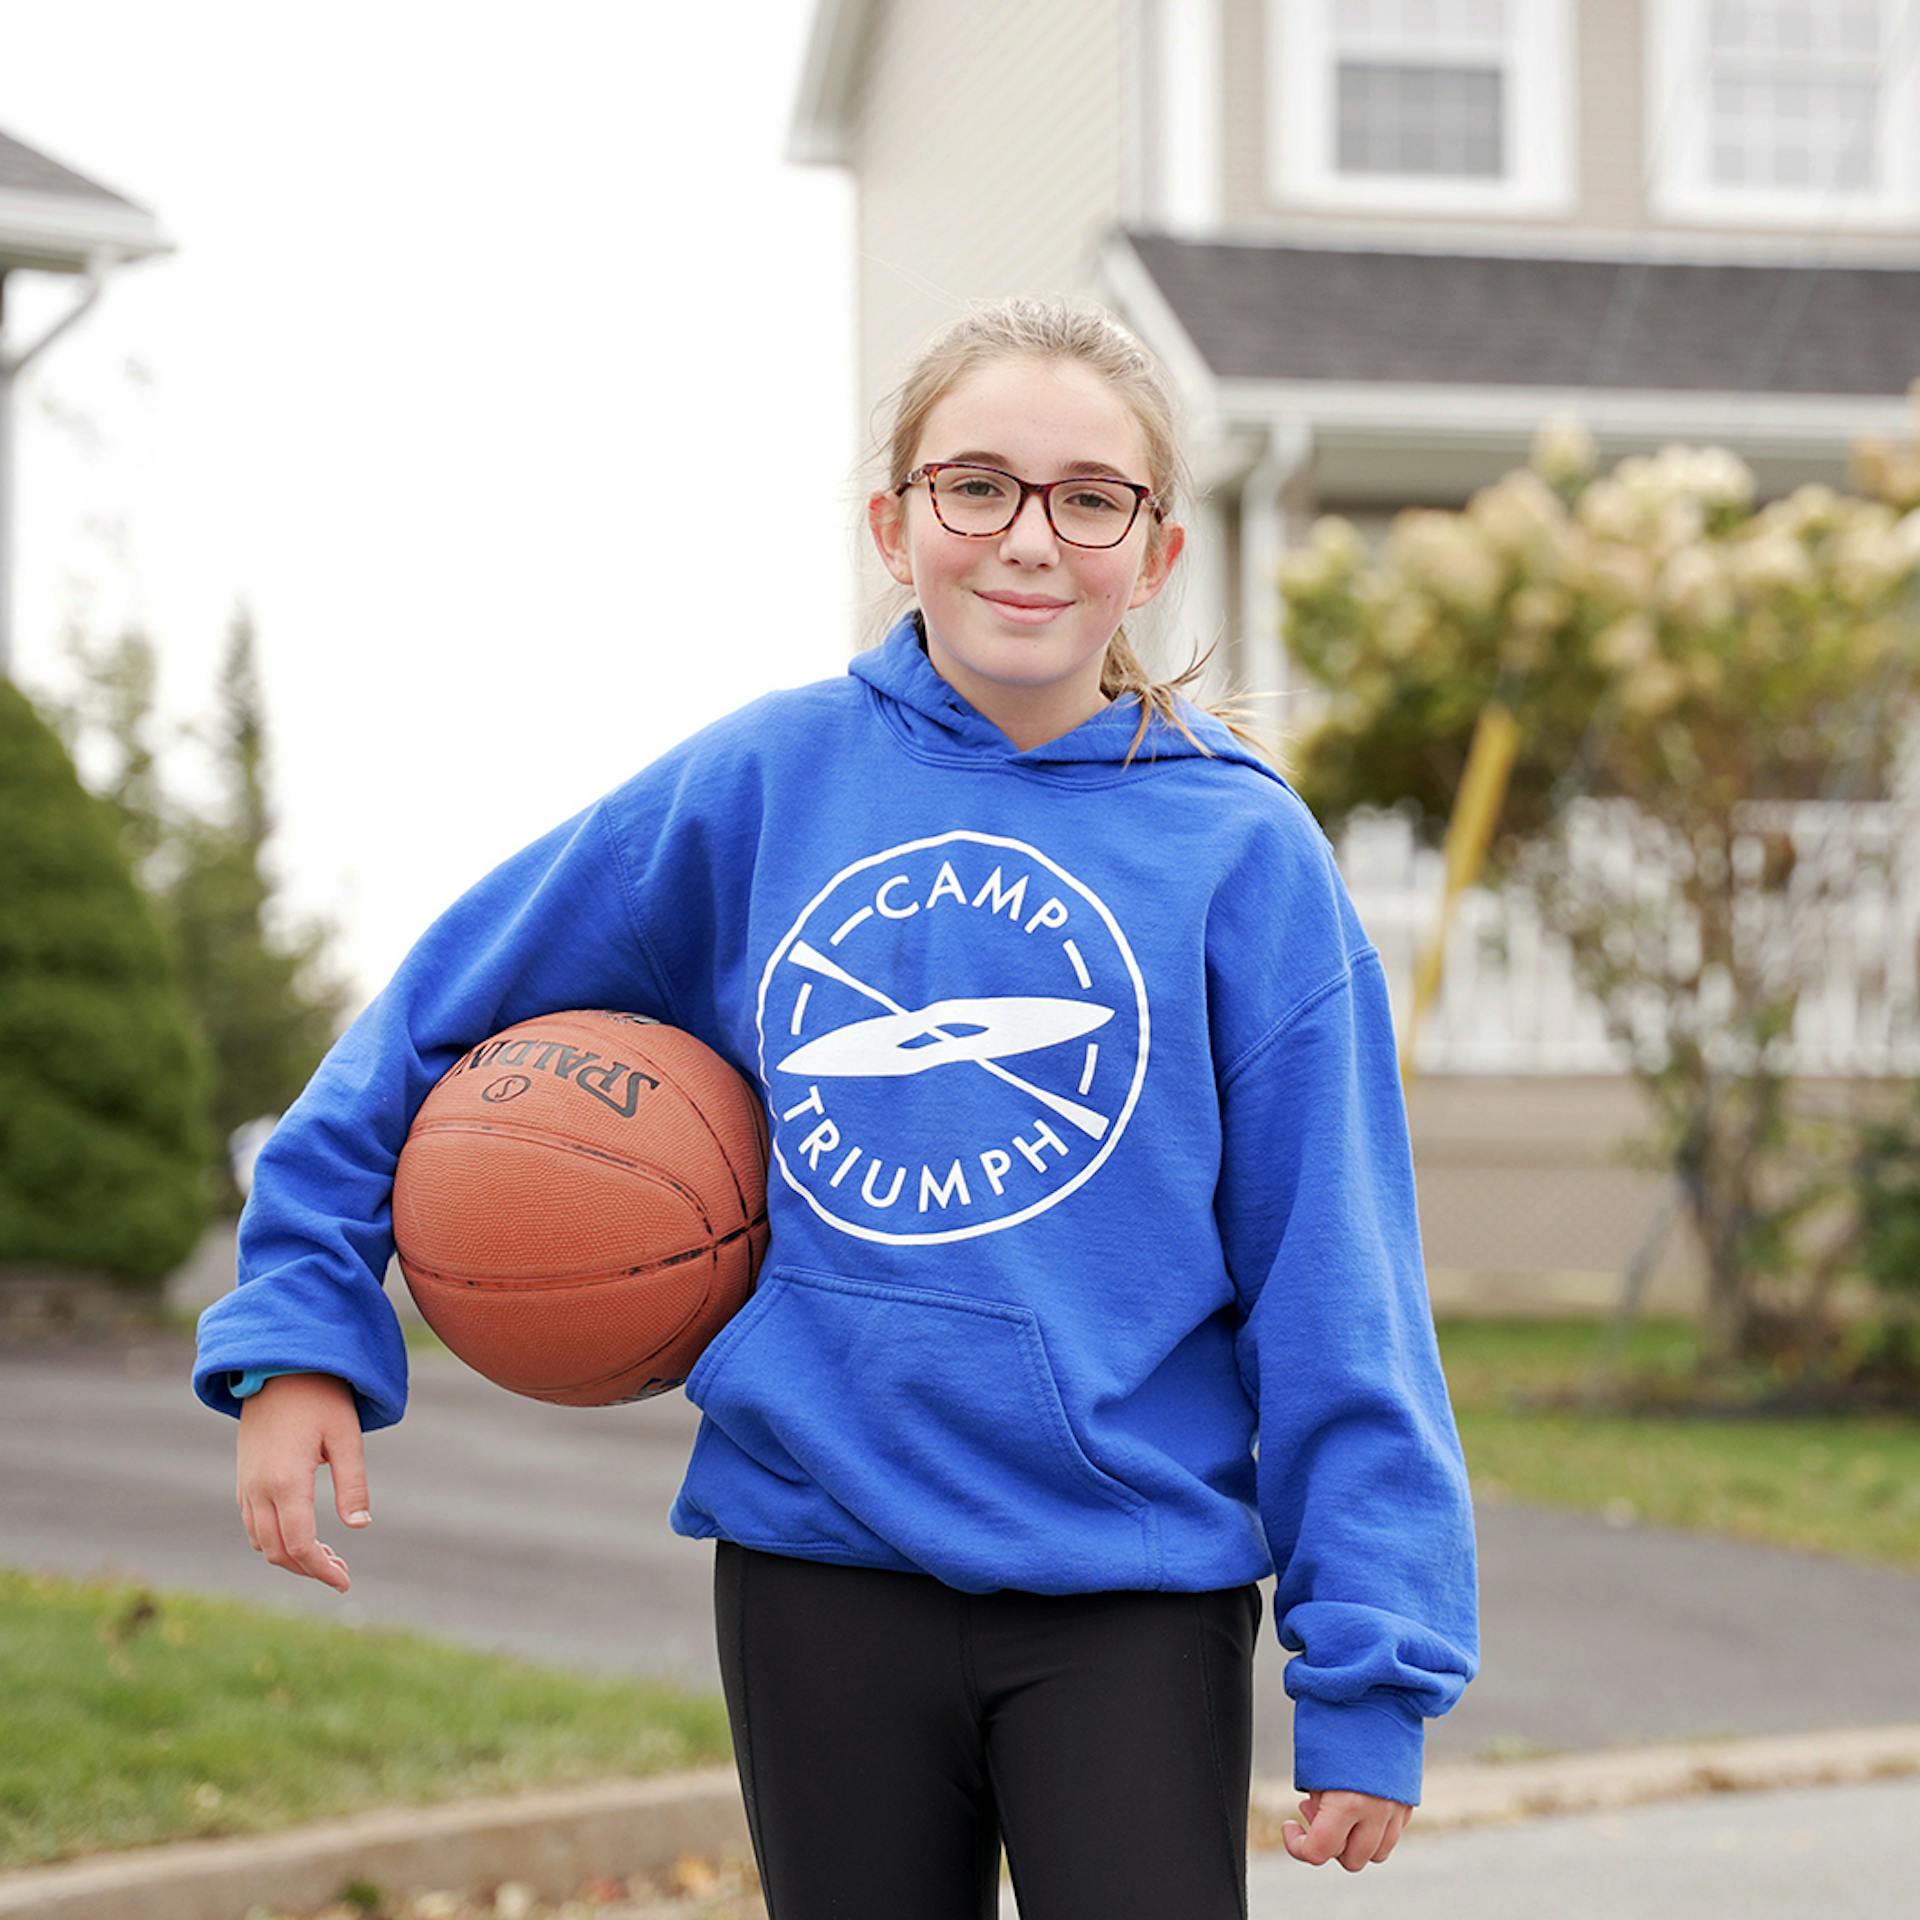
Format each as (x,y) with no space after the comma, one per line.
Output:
(1844,1853)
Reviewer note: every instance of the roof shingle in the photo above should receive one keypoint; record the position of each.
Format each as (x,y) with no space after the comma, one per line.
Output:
(1282,312)
(24,170)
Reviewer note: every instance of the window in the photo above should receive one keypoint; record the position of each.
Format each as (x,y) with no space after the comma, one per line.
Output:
(1795,111)
(1421,105)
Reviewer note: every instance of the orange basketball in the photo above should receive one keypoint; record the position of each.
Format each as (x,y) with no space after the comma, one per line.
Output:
(581,1205)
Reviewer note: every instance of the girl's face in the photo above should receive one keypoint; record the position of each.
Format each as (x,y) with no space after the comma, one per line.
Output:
(1035,677)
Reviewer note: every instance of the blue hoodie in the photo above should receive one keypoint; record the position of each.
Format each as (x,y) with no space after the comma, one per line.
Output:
(1090,1167)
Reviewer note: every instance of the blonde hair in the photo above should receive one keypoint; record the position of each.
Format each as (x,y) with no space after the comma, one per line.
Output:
(1089,335)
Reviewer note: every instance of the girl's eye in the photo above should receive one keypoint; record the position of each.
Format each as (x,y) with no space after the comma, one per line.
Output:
(1094,502)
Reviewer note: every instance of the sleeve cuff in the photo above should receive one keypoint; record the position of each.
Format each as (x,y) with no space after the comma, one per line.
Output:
(1358,1747)
(242,1384)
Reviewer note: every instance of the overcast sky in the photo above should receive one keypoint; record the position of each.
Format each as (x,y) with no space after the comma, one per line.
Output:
(483,329)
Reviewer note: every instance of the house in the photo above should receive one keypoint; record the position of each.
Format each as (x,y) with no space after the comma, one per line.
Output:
(1378,243)
(53,220)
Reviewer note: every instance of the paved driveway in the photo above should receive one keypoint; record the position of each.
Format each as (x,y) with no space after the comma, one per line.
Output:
(542,1531)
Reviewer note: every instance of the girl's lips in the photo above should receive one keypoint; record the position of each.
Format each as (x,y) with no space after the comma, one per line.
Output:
(1025,616)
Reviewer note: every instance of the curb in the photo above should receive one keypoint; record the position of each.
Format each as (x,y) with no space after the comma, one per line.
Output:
(1479,1793)
(551,1841)
(554,1841)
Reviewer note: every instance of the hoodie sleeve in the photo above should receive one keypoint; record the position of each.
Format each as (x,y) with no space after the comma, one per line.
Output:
(556,925)
(1361,1483)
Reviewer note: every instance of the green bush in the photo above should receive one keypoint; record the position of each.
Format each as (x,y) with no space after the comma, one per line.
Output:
(104,1077)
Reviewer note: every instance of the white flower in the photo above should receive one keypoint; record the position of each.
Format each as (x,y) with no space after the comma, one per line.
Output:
(1625,643)
(1866,563)
(1406,625)
(1810,508)
(1679,523)
(1445,552)
(1694,588)
(1904,541)
(1563,449)
(1539,606)
(1653,687)
(1774,559)
(1618,573)
(1608,509)
(1339,538)
(1722,478)
(1520,514)
(1304,572)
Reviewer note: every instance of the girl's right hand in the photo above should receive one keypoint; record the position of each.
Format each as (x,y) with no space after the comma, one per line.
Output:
(295,1421)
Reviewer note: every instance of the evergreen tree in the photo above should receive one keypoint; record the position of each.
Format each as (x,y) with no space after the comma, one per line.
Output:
(104,1078)
(113,707)
(270,1009)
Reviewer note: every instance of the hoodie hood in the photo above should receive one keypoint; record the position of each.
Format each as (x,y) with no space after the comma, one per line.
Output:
(938,722)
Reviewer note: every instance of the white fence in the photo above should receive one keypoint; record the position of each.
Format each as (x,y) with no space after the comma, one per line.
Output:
(1847,925)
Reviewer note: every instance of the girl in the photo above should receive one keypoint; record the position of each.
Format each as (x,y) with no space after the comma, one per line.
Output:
(1090,1169)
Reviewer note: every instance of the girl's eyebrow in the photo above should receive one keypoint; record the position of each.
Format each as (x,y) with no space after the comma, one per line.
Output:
(1073,468)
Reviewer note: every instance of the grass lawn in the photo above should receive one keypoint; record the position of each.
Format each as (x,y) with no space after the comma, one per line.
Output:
(134,1715)
(1833,1484)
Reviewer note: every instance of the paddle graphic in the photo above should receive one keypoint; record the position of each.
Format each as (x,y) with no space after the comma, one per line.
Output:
(1006,1024)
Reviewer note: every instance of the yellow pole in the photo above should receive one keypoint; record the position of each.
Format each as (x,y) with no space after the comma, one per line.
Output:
(1476,811)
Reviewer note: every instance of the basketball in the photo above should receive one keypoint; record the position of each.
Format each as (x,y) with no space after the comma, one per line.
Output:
(581,1205)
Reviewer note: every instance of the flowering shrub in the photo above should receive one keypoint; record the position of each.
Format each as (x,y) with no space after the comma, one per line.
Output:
(1665,641)
(1652,620)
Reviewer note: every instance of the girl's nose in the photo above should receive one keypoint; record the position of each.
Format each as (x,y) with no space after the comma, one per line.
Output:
(1031,529)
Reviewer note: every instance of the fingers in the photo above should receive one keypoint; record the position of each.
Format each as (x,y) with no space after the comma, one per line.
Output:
(1353,1835)
(1360,1846)
(346,1459)
(307,1554)
(283,1530)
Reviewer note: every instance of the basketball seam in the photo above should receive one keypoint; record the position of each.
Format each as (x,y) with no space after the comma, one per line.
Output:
(542,1136)
(719,1146)
(588,1278)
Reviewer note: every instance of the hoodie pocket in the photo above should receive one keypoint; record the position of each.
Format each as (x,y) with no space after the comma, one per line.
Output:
(933,1421)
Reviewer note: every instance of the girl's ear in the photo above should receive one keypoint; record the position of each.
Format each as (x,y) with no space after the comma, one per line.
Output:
(1153,575)
(885,518)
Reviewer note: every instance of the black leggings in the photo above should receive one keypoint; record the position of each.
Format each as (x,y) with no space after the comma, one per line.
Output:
(891,1731)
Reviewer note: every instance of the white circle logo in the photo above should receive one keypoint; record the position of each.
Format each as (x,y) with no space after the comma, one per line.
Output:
(953,1034)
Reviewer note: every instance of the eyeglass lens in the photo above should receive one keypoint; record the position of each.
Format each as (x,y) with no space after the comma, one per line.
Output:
(1091,513)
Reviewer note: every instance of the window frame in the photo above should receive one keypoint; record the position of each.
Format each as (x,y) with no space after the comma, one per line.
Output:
(1538,132)
(1682,189)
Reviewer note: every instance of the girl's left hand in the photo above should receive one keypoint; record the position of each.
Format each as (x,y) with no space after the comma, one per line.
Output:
(1353,1828)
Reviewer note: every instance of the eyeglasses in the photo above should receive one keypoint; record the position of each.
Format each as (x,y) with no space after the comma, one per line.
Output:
(978,502)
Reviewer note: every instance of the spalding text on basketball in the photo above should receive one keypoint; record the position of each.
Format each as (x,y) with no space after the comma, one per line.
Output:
(612,1082)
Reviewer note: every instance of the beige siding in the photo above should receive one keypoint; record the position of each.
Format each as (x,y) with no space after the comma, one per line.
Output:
(1243,137)
(1612,153)
(989,154)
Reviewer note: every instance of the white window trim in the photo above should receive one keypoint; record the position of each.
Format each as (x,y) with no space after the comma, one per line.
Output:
(1682,188)
(1538,138)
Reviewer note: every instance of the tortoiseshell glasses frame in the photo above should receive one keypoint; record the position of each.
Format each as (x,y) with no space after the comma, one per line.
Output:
(1142,497)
